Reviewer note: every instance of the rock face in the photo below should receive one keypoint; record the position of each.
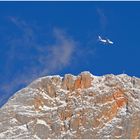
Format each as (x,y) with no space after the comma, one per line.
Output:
(83,107)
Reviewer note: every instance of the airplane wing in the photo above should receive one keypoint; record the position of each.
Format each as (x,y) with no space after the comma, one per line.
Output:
(104,41)
(109,41)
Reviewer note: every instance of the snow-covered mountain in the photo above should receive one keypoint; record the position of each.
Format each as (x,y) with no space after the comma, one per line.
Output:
(83,106)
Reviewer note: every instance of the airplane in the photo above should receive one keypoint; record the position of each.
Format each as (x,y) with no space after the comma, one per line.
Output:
(105,41)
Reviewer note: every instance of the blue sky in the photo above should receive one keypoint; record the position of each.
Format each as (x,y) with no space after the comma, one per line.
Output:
(49,38)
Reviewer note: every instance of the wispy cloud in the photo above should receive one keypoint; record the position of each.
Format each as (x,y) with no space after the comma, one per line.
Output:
(22,25)
(60,54)
(52,57)
(102,18)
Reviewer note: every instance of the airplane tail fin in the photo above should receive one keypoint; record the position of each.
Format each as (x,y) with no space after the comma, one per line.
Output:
(99,37)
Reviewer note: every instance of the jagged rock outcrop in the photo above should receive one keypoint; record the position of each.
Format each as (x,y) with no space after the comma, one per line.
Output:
(83,106)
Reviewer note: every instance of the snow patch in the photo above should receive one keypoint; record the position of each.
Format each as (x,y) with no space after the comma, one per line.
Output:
(39,121)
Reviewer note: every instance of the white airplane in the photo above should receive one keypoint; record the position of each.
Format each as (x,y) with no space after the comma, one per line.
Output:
(105,41)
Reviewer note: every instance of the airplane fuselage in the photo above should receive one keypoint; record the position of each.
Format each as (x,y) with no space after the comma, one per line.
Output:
(105,41)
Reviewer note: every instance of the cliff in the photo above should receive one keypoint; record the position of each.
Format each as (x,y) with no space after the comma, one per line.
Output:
(83,107)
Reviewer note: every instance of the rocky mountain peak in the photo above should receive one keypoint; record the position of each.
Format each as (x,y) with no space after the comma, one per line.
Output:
(83,106)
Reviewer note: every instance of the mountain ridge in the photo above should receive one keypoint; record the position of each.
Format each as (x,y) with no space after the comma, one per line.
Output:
(83,106)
